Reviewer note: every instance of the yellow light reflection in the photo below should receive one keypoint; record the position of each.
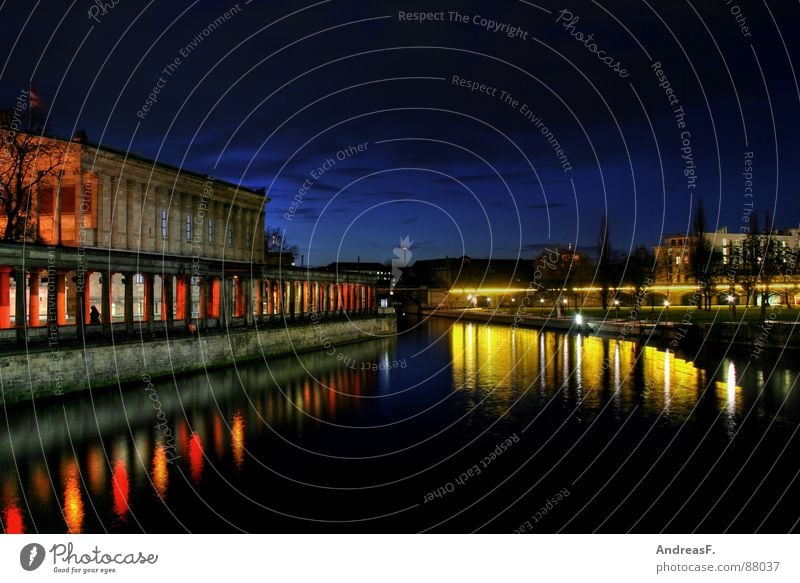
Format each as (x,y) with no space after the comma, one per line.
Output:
(73,501)
(160,473)
(237,439)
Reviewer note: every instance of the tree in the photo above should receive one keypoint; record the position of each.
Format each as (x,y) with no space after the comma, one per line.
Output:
(26,161)
(275,243)
(700,258)
(745,260)
(605,261)
(770,260)
(640,272)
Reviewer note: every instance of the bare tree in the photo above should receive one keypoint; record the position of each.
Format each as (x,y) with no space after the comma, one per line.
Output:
(605,262)
(700,258)
(275,242)
(26,160)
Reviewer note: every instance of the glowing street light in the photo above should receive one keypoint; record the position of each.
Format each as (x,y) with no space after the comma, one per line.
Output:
(616,307)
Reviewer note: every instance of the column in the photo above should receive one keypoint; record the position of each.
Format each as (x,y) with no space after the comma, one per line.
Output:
(81,294)
(52,300)
(202,301)
(33,298)
(167,300)
(258,300)
(303,299)
(127,279)
(326,297)
(247,282)
(134,216)
(87,298)
(149,298)
(187,298)
(229,300)
(5,297)
(337,295)
(292,299)
(19,316)
(180,297)
(61,299)
(105,300)
(270,291)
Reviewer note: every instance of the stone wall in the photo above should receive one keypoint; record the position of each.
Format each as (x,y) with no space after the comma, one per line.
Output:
(48,373)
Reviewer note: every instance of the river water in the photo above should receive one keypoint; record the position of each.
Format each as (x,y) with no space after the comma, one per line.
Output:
(450,426)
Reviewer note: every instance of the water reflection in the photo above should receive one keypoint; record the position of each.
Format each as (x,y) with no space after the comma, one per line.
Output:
(237,439)
(73,500)
(128,463)
(13,522)
(499,360)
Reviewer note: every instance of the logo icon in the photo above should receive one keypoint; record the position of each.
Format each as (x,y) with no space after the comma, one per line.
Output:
(402,255)
(31,556)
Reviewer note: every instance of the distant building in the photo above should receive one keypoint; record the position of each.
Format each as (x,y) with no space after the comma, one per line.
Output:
(674,254)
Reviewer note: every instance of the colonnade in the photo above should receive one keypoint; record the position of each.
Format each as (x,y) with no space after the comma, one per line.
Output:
(50,297)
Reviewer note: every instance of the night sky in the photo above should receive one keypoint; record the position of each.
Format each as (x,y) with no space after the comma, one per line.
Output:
(279,88)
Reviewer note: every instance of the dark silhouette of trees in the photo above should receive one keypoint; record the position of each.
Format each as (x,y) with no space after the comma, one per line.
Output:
(605,262)
(640,272)
(26,161)
(701,266)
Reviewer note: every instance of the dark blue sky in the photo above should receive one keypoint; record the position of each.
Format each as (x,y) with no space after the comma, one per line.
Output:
(280,87)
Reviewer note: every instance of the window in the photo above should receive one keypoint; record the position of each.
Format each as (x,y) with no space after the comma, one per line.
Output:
(230,235)
(138,278)
(210,230)
(68,200)
(164,224)
(46,201)
(188,227)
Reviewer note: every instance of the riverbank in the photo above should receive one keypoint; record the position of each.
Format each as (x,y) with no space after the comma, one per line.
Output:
(757,336)
(45,373)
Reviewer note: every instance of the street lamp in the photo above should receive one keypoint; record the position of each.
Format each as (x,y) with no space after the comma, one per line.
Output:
(666,304)
(616,307)
(541,304)
(731,306)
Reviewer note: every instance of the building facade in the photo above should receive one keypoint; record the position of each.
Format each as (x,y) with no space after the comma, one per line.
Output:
(112,241)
